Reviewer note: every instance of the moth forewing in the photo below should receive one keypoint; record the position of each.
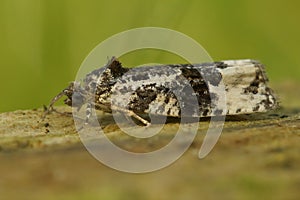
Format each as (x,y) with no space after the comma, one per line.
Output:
(150,89)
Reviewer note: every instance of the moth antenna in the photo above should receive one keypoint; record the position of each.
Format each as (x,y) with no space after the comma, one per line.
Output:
(52,102)
(55,99)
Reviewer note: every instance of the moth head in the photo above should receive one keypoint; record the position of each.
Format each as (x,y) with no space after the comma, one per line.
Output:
(75,95)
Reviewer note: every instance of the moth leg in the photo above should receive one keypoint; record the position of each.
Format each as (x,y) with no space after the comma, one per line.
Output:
(131,114)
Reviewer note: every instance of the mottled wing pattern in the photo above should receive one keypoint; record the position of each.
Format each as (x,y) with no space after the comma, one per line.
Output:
(246,87)
(160,89)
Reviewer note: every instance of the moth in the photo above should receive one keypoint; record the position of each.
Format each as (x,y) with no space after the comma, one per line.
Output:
(150,89)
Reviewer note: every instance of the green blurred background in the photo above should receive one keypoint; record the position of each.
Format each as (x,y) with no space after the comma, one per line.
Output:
(43,42)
